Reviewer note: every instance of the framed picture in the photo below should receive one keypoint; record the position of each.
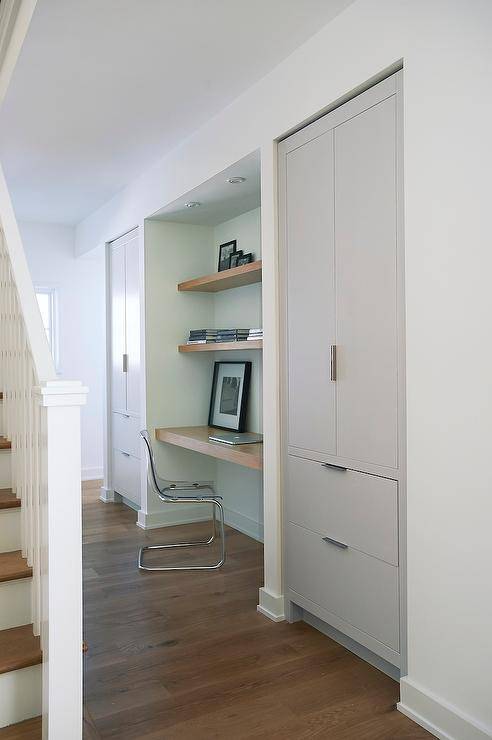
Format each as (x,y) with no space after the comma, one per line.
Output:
(233,262)
(229,398)
(225,251)
(245,259)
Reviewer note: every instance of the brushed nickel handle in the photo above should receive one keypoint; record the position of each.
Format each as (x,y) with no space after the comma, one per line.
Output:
(341,545)
(125,363)
(126,454)
(333,362)
(334,467)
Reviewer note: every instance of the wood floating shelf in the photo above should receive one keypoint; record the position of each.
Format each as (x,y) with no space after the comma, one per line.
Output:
(197,439)
(221,346)
(233,278)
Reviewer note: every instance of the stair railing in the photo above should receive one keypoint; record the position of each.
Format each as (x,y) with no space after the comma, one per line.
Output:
(42,422)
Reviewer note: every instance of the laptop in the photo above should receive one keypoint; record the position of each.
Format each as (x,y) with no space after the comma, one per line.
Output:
(235,438)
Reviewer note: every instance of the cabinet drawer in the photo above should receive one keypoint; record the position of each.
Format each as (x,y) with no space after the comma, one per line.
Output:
(356,508)
(351,585)
(125,432)
(126,476)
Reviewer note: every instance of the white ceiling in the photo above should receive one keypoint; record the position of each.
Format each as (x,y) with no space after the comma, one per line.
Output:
(219,200)
(105,87)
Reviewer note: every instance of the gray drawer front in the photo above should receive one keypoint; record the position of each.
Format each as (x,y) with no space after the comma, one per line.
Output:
(356,508)
(355,587)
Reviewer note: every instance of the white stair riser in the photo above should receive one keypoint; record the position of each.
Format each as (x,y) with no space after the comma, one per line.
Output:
(1,418)
(15,603)
(5,476)
(20,695)
(10,530)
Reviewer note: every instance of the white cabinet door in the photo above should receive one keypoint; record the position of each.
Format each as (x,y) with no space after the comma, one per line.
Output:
(308,227)
(366,285)
(118,329)
(133,326)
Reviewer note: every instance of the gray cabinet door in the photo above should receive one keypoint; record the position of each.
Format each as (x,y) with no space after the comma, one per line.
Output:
(309,207)
(366,285)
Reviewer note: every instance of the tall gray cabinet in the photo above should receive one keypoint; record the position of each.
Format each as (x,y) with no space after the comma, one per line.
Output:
(341,255)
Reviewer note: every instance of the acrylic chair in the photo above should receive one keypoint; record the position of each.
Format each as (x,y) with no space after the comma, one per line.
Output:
(197,492)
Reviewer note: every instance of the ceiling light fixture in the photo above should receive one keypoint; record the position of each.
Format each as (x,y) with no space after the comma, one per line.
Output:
(236,180)
(192,204)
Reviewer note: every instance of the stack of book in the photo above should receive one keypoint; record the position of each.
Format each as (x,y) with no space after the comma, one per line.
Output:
(254,334)
(202,336)
(208,336)
(232,335)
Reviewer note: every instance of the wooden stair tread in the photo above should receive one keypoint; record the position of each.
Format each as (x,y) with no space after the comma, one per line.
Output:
(8,500)
(5,443)
(30,729)
(13,566)
(19,648)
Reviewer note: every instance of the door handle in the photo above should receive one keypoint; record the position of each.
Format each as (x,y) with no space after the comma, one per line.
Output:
(125,363)
(341,545)
(333,362)
(334,467)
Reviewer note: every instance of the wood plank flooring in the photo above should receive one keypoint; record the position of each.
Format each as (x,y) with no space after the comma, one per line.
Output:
(186,655)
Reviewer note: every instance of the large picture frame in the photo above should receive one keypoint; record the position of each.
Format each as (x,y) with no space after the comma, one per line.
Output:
(229,397)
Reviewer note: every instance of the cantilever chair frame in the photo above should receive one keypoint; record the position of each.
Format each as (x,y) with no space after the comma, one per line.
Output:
(168,494)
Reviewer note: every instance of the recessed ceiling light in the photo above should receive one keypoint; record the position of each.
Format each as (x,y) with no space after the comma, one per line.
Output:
(192,204)
(236,180)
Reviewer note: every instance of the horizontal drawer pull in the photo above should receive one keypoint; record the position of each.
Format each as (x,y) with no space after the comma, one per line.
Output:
(334,467)
(341,545)
(126,454)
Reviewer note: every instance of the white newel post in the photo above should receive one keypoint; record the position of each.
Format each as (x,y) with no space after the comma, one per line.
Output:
(61,558)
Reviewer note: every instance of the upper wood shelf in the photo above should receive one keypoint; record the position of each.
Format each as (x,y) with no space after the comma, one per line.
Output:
(233,278)
(196,438)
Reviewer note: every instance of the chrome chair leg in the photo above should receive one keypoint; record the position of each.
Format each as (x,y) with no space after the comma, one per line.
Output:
(216,505)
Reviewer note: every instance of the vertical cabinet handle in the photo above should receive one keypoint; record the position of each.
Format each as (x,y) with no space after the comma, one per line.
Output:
(125,363)
(333,362)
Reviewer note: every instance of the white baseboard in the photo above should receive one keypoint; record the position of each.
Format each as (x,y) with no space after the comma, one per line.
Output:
(92,473)
(107,495)
(437,716)
(271,605)
(244,524)
(173,515)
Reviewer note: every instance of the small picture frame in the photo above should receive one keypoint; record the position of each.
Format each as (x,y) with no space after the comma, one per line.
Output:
(225,252)
(233,260)
(245,259)
(229,397)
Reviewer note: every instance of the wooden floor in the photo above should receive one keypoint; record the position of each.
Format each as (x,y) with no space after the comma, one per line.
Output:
(188,656)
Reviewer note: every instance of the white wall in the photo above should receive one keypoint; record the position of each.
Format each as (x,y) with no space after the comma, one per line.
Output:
(447,54)
(80,287)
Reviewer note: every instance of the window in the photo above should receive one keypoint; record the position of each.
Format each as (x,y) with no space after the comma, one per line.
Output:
(47,301)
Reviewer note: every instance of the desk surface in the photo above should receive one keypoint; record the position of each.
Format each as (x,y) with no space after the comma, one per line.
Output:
(196,438)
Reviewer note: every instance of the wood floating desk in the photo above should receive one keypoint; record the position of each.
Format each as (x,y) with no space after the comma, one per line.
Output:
(221,346)
(197,439)
(233,278)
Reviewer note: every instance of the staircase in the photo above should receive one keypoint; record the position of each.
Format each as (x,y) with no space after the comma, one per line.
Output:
(40,513)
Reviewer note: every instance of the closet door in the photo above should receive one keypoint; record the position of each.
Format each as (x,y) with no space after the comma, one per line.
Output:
(366,285)
(308,189)
(118,328)
(132,314)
